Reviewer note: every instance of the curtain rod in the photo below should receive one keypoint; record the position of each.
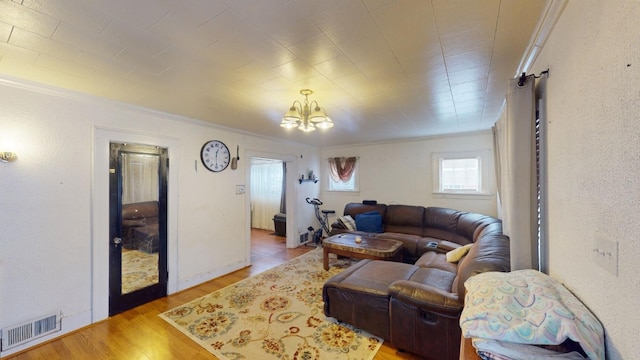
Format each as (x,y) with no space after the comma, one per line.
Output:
(333,157)
(524,76)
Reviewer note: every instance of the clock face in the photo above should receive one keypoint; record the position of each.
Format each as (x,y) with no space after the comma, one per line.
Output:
(215,155)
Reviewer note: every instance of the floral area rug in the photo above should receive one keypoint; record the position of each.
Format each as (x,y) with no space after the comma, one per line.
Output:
(277,314)
(139,270)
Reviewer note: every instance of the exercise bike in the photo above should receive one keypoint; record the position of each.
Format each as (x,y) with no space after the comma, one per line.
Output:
(323,219)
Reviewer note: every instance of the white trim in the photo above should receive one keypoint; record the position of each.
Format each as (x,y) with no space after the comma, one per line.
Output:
(467,196)
(291,195)
(201,278)
(548,19)
(408,140)
(484,159)
(100,212)
(41,88)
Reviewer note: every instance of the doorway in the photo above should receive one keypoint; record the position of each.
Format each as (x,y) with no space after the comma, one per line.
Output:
(290,195)
(268,194)
(137,225)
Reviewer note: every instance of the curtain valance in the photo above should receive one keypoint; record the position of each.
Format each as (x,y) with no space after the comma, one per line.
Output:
(341,168)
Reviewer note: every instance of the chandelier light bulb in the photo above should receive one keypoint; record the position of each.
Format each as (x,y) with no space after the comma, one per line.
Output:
(306,116)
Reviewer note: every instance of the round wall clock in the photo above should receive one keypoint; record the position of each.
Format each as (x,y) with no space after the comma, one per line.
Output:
(215,155)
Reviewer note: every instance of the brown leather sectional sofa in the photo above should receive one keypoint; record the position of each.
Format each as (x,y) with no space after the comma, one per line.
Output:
(140,226)
(416,304)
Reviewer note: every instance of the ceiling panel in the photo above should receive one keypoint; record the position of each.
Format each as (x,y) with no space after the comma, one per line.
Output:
(26,18)
(43,45)
(195,13)
(383,69)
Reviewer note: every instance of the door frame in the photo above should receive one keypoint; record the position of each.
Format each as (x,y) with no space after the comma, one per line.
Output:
(100,240)
(291,193)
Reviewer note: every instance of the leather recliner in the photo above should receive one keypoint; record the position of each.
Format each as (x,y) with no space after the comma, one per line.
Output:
(416,306)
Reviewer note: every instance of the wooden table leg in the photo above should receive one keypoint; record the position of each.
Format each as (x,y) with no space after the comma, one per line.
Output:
(325,258)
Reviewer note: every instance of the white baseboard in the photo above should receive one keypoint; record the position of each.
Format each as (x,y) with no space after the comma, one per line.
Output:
(210,275)
(74,322)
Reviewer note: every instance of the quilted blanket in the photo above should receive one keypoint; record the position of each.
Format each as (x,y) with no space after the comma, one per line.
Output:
(528,307)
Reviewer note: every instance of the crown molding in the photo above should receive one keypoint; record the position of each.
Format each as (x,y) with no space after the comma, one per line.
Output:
(548,19)
(41,88)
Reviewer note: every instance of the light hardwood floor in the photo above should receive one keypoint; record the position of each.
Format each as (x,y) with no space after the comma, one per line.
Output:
(141,334)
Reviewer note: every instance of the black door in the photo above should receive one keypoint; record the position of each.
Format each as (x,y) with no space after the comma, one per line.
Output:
(137,225)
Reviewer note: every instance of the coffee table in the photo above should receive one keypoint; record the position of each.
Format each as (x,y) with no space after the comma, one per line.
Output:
(368,248)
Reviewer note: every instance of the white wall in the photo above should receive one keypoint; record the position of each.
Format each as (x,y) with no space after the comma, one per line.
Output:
(401,173)
(53,214)
(593,99)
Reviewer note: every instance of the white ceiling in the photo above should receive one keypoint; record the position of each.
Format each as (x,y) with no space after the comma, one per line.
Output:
(383,69)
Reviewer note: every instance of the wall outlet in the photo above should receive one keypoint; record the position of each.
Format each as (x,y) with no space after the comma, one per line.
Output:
(605,252)
(240,189)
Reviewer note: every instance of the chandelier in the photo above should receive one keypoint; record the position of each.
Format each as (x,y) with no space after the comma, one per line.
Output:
(306,117)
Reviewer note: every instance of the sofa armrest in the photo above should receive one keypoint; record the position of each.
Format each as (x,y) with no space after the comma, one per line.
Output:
(337,228)
(338,225)
(426,297)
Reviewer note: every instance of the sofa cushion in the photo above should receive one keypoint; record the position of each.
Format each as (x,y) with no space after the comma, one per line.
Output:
(354,209)
(470,225)
(140,210)
(491,253)
(435,260)
(373,276)
(348,222)
(437,278)
(369,222)
(360,294)
(407,219)
(441,218)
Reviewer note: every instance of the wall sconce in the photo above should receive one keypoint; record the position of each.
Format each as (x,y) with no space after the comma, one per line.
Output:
(7,156)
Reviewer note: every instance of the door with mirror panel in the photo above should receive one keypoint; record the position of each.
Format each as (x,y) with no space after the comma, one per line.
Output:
(137,225)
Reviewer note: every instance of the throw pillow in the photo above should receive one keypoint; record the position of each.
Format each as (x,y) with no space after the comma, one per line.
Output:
(348,222)
(369,222)
(456,254)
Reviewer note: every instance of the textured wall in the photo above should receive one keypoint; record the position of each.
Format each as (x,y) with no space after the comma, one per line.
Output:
(401,173)
(50,258)
(593,96)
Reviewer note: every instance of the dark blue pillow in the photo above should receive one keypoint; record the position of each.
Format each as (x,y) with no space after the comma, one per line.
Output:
(369,222)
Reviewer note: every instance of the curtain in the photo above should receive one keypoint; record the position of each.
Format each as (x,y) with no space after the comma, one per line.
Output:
(283,198)
(517,184)
(140,179)
(266,193)
(496,157)
(341,168)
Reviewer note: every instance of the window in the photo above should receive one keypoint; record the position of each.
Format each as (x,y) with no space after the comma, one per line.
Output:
(343,174)
(461,172)
(349,185)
